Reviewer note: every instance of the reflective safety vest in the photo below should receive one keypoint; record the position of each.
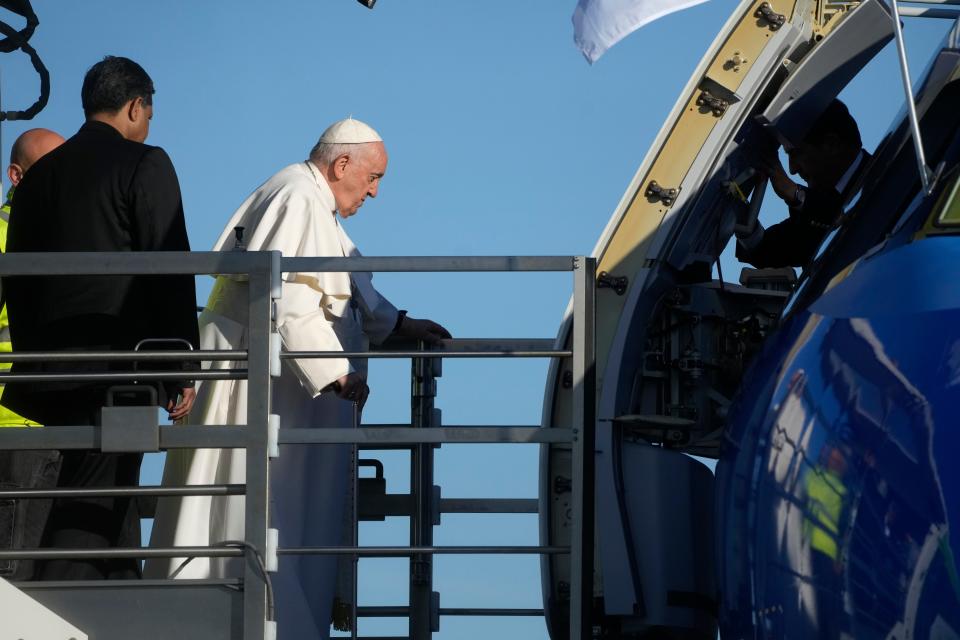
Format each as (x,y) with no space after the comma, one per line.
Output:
(8,418)
(825,495)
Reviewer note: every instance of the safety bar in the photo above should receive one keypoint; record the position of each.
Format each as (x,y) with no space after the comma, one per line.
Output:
(401,611)
(88,437)
(115,553)
(227,552)
(236,436)
(151,263)
(241,263)
(435,435)
(119,492)
(429,264)
(447,505)
(456,348)
(118,376)
(394,552)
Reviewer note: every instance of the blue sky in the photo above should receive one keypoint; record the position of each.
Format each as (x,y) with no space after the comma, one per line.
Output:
(502,140)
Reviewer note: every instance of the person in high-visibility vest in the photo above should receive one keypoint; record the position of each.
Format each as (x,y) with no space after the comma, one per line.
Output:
(22,521)
(28,148)
(826,494)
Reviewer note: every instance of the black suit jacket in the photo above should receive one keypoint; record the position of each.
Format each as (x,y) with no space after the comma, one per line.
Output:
(96,192)
(794,242)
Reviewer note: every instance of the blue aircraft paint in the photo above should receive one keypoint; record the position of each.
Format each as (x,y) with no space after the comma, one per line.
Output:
(839,492)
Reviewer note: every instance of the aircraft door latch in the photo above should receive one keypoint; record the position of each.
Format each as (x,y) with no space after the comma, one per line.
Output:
(774,19)
(664,194)
(617,283)
(717,106)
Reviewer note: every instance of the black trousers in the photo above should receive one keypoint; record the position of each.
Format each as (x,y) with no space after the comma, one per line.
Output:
(22,522)
(829,596)
(91,523)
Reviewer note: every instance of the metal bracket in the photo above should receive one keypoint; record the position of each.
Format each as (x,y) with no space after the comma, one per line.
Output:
(372,492)
(273,436)
(717,106)
(435,611)
(617,283)
(664,194)
(276,346)
(775,20)
(127,429)
(435,505)
(270,560)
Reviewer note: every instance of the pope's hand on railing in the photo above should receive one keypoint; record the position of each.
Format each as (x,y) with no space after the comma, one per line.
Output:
(179,410)
(353,387)
(426,330)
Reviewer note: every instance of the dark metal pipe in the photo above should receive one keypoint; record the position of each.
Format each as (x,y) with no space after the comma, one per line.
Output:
(211,355)
(390,552)
(119,376)
(123,356)
(115,492)
(469,611)
(429,264)
(539,353)
(402,612)
(99,554)
(240,355)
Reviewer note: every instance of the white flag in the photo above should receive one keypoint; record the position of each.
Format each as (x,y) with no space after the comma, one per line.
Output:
(600,24)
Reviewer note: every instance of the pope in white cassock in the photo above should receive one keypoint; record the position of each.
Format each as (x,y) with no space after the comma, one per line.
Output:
(293,212)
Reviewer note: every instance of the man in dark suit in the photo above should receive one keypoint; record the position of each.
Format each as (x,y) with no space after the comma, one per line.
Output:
(831,160)
(102,190)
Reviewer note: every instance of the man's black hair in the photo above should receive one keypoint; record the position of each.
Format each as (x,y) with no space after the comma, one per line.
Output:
(113,82)
(835,121)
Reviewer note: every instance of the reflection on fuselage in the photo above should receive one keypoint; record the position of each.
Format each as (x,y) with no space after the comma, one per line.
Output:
(835,503)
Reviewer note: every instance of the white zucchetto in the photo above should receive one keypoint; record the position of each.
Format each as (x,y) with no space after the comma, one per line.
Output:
(350,131)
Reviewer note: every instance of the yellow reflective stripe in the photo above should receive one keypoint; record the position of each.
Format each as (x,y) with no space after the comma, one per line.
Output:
(9,418)
(825,495)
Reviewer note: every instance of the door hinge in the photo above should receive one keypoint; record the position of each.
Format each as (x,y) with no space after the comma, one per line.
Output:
(718,106)
(664,194)
(775,20)
(617,283)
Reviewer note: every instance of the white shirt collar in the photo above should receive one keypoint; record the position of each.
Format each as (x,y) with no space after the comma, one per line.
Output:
(851,170)
(322,185)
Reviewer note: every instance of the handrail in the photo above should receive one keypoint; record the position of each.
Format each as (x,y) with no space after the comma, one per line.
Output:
(112,263)
(428,264)
(240,263)
(118,376)
(395,552)
(116,492)
(122,552)
(262,271)
(456,348)
(236,436)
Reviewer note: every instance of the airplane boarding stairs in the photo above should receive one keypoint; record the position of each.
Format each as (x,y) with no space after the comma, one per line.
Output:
(241,608)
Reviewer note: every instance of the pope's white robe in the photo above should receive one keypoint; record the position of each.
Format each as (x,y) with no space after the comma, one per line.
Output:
(293,213)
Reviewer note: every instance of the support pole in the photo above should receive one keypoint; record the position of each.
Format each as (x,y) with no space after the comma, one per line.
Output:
(355,530)
(926,177)
(422,394)
(584,424)
(258,412)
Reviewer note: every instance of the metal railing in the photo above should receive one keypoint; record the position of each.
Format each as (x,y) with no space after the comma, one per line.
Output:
(262,271)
